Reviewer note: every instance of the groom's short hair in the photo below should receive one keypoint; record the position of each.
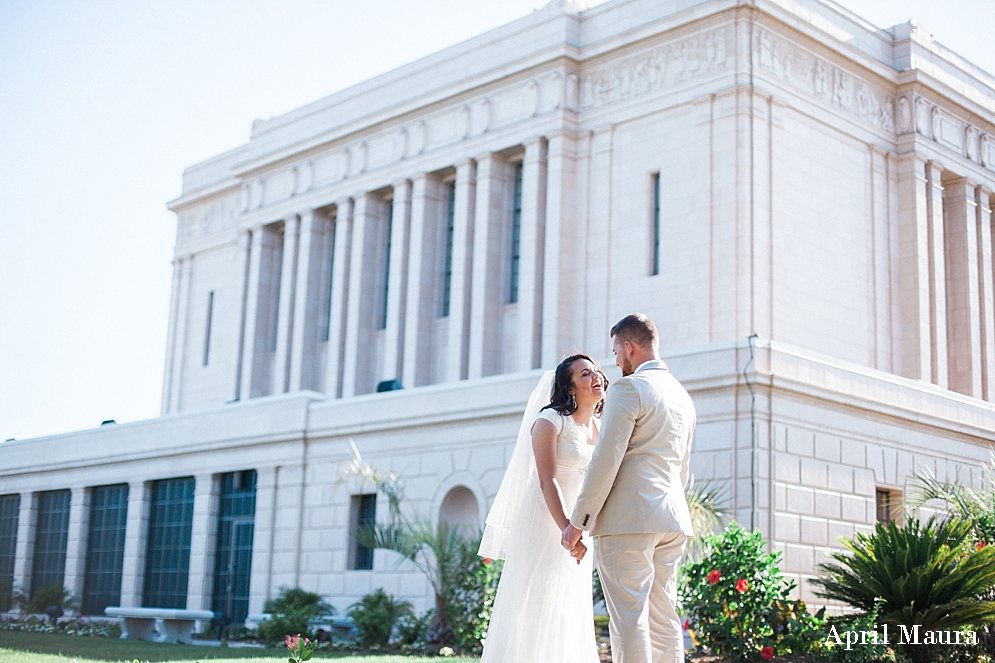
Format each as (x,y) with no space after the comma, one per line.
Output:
(637,328)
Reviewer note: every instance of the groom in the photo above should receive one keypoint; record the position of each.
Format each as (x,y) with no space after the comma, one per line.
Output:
(633,498)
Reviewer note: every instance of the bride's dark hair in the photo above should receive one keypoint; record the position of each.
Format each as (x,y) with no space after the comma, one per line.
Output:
(561,399)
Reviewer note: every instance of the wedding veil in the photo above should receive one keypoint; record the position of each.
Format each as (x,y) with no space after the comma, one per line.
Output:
(516,502)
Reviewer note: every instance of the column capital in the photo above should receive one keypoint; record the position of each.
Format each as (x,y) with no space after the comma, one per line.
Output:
(402,185)
(465,162)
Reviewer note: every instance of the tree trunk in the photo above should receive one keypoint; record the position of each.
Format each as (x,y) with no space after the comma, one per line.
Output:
(440,633)
(920,653)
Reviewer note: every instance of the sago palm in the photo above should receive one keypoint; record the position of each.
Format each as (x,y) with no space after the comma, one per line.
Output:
(925,574)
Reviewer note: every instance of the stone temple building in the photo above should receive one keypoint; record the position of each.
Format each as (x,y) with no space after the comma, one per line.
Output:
(800,199)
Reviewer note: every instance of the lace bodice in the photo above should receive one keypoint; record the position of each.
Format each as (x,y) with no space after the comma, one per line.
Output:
(573,453)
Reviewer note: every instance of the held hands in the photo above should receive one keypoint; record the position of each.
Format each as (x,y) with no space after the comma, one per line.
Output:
(570,540)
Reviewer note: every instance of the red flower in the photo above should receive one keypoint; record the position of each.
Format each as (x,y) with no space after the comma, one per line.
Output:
(687,624)
(980,545)
(742,586)
(714,576)
(767,653)
(488,560)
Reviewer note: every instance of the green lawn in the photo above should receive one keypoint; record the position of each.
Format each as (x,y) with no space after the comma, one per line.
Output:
(20,647)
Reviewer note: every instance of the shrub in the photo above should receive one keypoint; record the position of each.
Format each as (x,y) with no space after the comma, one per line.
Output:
(291,611)
(927,574)
(375,615)
(732,593)
(471,595)
(48,596)
(412,630)
(869,653)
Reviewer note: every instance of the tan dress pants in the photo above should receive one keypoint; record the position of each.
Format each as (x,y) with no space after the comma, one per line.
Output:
(639,575)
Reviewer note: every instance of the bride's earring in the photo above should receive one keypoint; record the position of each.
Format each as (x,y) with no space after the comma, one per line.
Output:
(573,401)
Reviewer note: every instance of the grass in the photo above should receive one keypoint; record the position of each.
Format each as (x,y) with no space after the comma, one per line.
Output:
(21,647)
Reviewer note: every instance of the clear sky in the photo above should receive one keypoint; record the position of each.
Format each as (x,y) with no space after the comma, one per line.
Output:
(104,102)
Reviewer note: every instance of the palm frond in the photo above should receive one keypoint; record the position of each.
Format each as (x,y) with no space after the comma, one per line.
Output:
(706,502)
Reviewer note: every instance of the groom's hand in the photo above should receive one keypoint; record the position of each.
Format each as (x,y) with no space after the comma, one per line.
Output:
(570,537)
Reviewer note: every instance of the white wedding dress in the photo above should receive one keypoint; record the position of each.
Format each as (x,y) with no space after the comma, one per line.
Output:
(543,611)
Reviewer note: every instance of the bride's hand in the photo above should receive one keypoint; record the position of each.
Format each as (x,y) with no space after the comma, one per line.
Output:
(578,551)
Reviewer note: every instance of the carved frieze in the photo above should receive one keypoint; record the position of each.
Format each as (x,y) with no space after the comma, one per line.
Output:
(217,216)
(656,69)
(808,72)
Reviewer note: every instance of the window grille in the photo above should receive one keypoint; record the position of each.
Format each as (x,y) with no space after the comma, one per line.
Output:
(167,556)
(10,507)
(233,559)
(51,537)
(447,267)
(516,234)
(655,267)
(105,548)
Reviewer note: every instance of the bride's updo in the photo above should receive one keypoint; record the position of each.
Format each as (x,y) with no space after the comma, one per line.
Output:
(561,400)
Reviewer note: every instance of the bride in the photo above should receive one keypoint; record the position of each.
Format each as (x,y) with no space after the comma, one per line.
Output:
(543,610)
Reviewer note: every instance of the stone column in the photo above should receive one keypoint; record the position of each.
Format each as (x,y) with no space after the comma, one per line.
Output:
(250,321)
(485,301)
(397,279)
(202,540)
(881,251)
(986,294)
(79,503)
(244,248)
(356,376)
(135,540)
(423,289)
(339,299)
(261,587)
(532,249)
(181,334)
(912,272)
(457,344)
(167,374)
(25,545)
(963,287)
(285,316)
(559,285)
(304,339)
(937,281)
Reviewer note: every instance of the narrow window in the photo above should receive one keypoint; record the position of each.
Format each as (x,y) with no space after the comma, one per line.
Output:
(382,322)
(51,539)
(888,504)
(10,507)
(207,327)
(326,318)
(516,234)
(105,548)
(363,512)
(655,259)
(447,267)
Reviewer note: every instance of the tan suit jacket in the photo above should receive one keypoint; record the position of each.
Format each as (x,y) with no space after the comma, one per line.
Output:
(635,482)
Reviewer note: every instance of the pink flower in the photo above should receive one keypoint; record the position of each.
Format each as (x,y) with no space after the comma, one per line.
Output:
(742,586)
(293,641)
(714,576)
(767,653)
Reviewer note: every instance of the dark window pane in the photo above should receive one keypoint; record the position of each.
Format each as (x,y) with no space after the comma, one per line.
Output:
(10,507)
(167,559)
(51,538)
(105,548)
(447,266)
(233,560)
(516,234)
